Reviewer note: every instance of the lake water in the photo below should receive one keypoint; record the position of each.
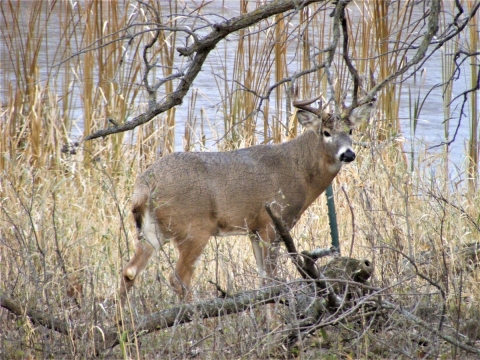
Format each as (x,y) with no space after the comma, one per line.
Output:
(430,130)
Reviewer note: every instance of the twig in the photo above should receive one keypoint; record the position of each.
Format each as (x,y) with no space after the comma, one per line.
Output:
(430,281)
(457,207)
(353,71)
(390,306)
(223,293)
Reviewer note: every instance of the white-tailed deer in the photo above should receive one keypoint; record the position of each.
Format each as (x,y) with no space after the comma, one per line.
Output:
(189,197)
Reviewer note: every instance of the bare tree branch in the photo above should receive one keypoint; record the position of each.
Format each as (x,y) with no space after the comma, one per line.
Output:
(432,30)
(199,52)
(201,47)
(353,71)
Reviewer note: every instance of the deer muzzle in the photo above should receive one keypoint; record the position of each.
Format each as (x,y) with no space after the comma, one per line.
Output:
(347,156)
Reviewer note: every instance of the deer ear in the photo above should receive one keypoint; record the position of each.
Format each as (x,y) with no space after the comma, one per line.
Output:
(309,120)
(360,114)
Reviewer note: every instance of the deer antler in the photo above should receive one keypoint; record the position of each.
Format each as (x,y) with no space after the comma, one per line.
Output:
(305,105)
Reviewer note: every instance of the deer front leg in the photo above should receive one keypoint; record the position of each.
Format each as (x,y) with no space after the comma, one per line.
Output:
(265,250)
(143,252)
(258,254)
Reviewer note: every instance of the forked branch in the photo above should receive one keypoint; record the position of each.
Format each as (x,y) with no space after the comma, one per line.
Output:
(201,47)
(199,52)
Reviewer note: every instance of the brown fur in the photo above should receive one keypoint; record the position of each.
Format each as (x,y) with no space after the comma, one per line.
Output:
(189,197)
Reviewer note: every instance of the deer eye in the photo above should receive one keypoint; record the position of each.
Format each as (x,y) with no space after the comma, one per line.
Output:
(326,134)
(350,132)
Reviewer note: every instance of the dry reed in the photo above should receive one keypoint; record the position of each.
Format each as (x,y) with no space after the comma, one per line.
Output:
(65,229)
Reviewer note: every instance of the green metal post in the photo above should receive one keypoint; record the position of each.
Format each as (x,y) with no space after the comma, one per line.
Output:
(332,217)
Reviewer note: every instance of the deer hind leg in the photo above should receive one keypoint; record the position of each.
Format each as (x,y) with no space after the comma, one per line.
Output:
(189,251)
(143,252)
(149,240)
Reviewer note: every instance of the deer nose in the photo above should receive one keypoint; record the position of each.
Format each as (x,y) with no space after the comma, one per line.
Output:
(347,156)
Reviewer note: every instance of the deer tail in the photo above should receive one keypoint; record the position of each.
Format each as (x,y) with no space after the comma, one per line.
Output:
(139,205)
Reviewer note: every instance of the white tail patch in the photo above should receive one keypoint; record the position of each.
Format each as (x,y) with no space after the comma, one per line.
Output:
(150,231)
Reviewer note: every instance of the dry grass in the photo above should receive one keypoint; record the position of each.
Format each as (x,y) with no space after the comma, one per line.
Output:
(66,232)
(65,227)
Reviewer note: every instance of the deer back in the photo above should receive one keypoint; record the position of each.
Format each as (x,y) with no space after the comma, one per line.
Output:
(225,192)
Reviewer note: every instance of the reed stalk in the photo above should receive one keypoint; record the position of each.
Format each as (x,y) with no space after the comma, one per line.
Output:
(167,54)
(281,72)
(382,33)
(448,69)
(88,84)
(234,112)
(240,121)
(473,146)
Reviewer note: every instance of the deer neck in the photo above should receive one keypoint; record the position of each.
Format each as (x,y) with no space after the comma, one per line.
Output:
(318,166)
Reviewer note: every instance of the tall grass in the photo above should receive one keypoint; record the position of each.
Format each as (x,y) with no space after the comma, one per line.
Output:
(63,236)
(43,73)
(65,231)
